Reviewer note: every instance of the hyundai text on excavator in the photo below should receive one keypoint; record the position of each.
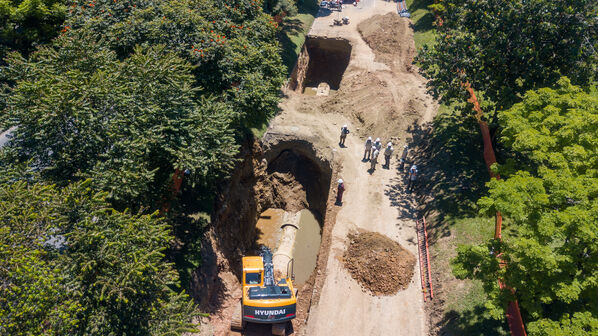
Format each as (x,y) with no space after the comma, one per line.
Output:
(264,299)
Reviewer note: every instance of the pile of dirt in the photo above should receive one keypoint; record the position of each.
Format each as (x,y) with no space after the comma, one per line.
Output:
(378,263)
(368,100)
(390,38)
(286,192)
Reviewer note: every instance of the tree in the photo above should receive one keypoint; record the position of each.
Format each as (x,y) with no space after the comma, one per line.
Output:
(71,265)
(231,44)
(128,124)
(551,248)
(504,49)
(281,7)
(25,23)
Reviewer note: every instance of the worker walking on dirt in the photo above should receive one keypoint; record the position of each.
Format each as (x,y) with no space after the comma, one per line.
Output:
(368,149)
(344,132)
(387,153)
(412,177)
(404,156)
(374,159)
(339,192)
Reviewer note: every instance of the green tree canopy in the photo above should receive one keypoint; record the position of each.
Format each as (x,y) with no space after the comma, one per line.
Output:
(25,23)
(71,265)
(551,244)
(83,113)
(505,48)
(232,44)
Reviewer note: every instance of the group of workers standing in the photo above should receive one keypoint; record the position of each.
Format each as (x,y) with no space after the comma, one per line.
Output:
(371,152)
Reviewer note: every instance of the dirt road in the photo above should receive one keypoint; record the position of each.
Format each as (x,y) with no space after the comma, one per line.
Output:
(380,95)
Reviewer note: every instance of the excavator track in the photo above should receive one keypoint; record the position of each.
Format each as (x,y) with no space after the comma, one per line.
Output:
(236,322)
(279,329)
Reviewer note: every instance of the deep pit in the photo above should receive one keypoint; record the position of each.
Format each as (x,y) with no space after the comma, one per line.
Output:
(281,172)
(322,60)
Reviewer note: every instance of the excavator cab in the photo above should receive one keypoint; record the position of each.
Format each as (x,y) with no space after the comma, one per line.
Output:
(265,300)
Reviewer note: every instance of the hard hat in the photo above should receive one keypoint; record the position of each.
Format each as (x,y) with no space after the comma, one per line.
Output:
(377,139)
(369,138)
(389,144)
(340,181)
(344,126)
(414,167)
(405,146)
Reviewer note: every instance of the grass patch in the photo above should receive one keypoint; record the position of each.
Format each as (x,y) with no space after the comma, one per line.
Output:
(294,31)
(259,131)
(424,31)
(464,312)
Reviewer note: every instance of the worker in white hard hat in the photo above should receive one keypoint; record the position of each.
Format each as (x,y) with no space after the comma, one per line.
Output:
(340,191)
(378,144)
(387,153)
(412,177)
(374,159)
(404,156)
(344,132)
(368,149)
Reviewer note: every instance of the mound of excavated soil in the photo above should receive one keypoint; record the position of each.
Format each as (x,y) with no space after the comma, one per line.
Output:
(378,263)
(390,38)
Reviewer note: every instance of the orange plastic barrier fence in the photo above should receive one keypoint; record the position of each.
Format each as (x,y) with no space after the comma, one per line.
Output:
(175,187)
(514,319)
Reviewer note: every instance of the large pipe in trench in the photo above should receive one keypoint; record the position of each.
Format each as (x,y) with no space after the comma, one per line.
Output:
(284,252)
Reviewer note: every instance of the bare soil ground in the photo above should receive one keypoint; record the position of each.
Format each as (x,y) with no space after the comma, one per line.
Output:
(378,263)
(380,95)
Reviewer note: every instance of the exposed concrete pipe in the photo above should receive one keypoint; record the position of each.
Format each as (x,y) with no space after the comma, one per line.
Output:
(284,252)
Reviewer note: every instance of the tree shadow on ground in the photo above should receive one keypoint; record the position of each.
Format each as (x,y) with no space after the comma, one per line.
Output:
(452,174)
(401,198)
(426,22)
(474,322)
(293,27)
(419,4)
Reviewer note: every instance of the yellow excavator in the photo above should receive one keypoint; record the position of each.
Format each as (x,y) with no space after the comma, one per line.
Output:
(265,300)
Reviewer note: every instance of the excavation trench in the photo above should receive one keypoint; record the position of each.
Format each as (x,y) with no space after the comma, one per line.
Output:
(320,66)
(277,197)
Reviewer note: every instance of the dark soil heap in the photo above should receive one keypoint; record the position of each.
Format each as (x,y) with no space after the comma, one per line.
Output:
(378,263)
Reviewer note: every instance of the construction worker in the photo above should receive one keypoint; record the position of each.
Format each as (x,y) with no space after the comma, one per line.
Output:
(378,144)
(412,177)
(404,156)
(340,191)
(374,159)
(387,153)
(344,132)
(368,149)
